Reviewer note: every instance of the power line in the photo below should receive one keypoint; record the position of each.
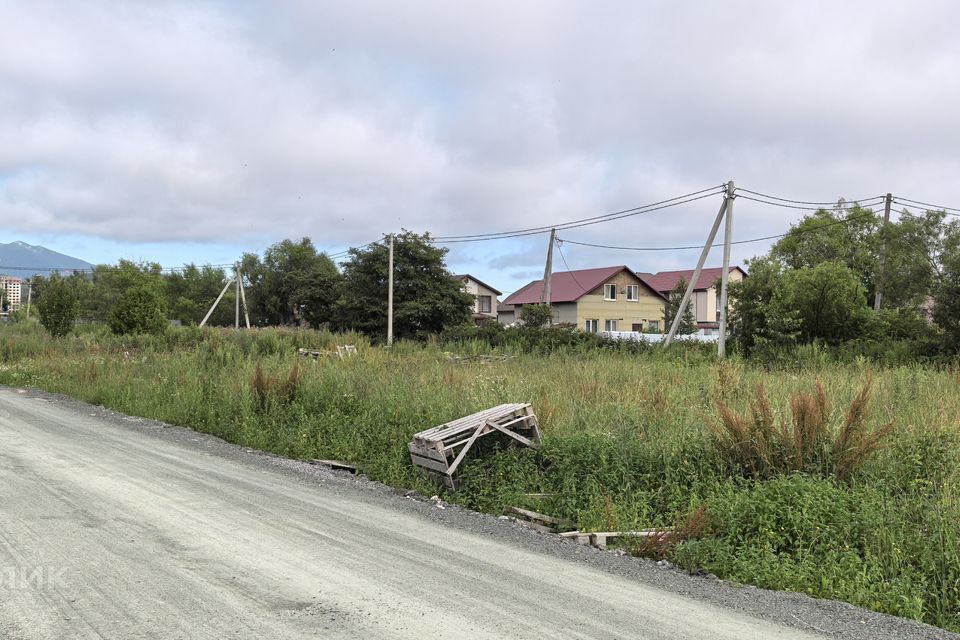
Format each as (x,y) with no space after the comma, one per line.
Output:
(865,204)
(793,231)
(833,203)
(616,215)
(951,211)
(569,270)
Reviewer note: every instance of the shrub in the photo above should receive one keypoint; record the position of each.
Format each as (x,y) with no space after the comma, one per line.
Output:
(139,310)
(536,315)
(754,444)
(58,306)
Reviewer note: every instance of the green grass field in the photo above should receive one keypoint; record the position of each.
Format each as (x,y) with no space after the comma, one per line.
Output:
(626,443)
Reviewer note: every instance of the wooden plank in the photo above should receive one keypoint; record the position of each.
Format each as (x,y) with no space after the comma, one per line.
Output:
(428,463)
(466,448)
(467,422)
(426,453)
(336,464)
(532,515)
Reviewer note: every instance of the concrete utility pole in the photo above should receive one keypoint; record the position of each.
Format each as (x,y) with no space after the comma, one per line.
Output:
(878,298)
(236,275)
(29,294)
(725,276)
(390,295)
(216,302)
(545,293)
(696,274)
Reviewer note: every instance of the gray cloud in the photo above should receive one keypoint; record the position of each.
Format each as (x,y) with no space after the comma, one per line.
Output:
(243,121)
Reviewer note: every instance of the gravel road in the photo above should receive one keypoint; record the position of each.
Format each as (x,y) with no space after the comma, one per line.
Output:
(118,527)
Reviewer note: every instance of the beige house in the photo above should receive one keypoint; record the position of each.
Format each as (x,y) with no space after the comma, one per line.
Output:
(604,299)
(485,297)
(706,294)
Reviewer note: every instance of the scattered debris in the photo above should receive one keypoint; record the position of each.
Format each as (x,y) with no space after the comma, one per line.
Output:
(345,350)
(336,464)
(482,358)
(600,539)
(442,449)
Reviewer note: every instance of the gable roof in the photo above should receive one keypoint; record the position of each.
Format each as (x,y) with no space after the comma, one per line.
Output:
(570,286)
(464,276)
(665,281)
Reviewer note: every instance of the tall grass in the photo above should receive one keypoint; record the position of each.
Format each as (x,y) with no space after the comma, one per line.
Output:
(627,442)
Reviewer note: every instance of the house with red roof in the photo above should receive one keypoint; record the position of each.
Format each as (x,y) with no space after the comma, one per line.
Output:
(604,299)
(706,295)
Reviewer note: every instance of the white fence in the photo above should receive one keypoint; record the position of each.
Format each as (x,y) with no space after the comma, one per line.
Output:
(655,338)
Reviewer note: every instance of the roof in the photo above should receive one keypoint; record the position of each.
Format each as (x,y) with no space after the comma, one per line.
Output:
(464,276)
(665,281)
(569,286)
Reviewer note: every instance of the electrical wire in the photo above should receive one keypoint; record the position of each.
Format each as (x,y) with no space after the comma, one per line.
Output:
(569,270)
(864,204)
(834,202)
(720,244)
(616,215)
(950,211)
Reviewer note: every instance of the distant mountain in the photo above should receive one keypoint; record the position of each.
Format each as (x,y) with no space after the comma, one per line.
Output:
(25,260)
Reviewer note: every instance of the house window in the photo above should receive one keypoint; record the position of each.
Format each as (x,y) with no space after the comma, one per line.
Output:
(633,292)
(654,326)
(609,325)
(591,326)
(609,292)
(718,307)
(484,304)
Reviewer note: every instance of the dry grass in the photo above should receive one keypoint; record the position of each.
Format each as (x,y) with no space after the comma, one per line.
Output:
(756,445)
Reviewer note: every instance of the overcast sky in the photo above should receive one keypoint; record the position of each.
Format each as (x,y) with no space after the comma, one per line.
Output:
(194,131)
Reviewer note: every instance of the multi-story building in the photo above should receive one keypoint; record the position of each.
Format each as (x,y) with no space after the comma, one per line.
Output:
(10,285)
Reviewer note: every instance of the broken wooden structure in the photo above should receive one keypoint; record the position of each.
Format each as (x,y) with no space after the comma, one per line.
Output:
(442,449)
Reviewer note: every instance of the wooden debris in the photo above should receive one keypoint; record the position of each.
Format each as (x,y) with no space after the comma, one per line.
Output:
(600,539)
(538,518)
(336,464)
(441,450)
(346,350)
(482,358)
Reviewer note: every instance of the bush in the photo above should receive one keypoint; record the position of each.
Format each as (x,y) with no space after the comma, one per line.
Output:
(756,446)
(536,315)
(58,306)
(139,310)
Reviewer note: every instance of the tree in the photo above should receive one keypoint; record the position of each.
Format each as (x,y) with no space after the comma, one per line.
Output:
(828,300)
(191,291)
(946,307)
(109,283)
(688,323)
(759,320)
(535,315)
(292,284)
(427,298)
(58,304)
(140,309)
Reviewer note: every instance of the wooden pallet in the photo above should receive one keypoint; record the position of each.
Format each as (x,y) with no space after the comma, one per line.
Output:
(442,449)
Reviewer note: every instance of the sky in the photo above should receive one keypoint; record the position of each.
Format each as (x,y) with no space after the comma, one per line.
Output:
(195,131)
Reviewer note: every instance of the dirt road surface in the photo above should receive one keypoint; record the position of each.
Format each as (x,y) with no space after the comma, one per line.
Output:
(115,527)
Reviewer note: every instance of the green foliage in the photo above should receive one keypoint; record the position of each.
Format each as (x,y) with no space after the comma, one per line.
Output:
(759,321)
(688,323)
(292,284)
(109,283)
(426,299)
(536,315)
(828,300)
(946,310)
(191,291)
(140,310)
(59,305)
(624,447)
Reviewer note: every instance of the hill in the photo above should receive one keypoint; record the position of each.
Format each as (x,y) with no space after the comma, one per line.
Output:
(26,260)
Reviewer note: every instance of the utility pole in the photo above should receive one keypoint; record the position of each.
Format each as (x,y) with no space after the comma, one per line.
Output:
(216,302)
(29,294)
(696,274)
(243,299)
(725,276)
(545,293)
(390,294)
(236,274)
(878,298)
